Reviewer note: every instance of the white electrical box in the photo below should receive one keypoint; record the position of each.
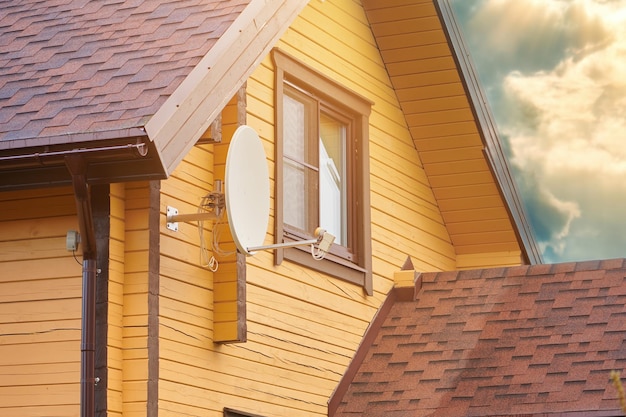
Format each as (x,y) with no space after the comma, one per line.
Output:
(72,239)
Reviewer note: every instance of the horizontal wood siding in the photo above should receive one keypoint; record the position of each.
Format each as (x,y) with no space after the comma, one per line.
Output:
(303,326)
(115,319)
(40,305)
(423,71)
(488,259)
(134,203)
(186,287)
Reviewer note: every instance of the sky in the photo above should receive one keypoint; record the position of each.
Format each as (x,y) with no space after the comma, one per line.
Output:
(554,72)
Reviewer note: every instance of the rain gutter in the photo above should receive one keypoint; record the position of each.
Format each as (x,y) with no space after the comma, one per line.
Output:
(141,148)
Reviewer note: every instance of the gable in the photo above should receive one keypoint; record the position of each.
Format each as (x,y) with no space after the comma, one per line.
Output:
(509,341)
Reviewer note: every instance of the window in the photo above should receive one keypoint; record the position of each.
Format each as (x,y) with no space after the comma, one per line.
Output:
(229,412)
(322,170)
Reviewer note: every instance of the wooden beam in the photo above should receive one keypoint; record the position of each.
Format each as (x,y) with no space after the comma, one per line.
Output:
(187,113)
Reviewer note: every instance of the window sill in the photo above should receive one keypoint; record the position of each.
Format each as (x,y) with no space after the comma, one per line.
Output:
(331,265)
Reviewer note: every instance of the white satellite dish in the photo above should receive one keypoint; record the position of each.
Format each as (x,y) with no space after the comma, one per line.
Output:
(247,199)
(247,191)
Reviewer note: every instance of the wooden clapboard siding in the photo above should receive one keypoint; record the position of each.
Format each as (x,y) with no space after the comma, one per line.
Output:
(132,211)
(303,326)
(423,71)
(488,259)
(393,157)
(185,286)
(40,307)
(115,317)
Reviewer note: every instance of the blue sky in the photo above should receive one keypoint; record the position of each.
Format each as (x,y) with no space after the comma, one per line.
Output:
(554,72)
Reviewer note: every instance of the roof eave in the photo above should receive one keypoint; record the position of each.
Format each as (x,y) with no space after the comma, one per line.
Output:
(111,156)
(494,153)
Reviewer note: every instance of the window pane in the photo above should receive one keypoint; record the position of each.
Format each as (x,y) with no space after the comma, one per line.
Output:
(293,122)
(333,187)
(299,174)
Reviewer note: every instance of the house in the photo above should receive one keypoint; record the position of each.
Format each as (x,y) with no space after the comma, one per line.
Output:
(532,341)
(115,113)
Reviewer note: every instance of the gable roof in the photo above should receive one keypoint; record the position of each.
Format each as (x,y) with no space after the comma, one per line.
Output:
(533,340)
(91,76)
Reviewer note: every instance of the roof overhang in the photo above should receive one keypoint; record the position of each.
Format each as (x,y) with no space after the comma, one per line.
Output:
(493,150)
(452,130)
(152,147)
(109,156)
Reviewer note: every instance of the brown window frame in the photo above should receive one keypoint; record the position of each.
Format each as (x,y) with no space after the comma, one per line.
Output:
(229,412)
(351,263)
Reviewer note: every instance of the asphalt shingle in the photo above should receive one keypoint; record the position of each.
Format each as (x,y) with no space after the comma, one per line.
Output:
(62,62)
(532,341)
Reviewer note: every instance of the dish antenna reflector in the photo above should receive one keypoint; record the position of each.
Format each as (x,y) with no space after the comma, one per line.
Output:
(247,199)
(247,189)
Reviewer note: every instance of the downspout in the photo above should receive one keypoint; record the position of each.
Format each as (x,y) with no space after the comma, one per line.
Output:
(78,169)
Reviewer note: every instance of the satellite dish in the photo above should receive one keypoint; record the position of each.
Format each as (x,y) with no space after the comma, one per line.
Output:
(247,200)
(247,191)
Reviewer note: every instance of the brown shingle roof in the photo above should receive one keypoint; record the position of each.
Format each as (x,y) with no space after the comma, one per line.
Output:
(131,85)
(75,66)
(532,341)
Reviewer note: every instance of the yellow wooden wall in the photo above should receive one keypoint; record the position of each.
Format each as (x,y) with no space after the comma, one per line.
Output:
(189,378)
(115,317)
(303,326)
(406,219)
(134,205)
(423,70)
(40,305)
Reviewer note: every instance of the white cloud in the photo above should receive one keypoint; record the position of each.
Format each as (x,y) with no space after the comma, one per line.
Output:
(561,92)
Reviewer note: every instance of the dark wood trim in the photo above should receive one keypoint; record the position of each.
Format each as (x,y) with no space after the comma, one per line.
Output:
(242,311)
(242,105)
(154,221)
(279,231)
(242,315)
(395,295)
(294,70)
(101,209)
(334,266)
(487,128)
(229,412)
(364,240)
